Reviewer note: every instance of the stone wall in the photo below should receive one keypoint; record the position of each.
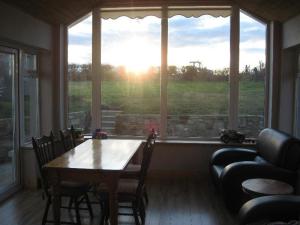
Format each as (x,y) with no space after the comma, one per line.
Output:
(183,126)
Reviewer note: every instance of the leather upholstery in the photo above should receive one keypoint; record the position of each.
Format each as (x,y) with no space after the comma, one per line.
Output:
(270,208)
(279,148)
(277,157)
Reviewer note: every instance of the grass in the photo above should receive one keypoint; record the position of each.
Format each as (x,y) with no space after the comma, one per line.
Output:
(184,97)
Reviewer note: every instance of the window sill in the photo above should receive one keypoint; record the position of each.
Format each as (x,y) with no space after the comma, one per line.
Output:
(203,142)
(26,146)
(249,142)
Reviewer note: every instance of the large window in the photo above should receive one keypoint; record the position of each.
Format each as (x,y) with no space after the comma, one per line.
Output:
(252,75)
(79,75)
(130,75)
(198,63)
(190,63)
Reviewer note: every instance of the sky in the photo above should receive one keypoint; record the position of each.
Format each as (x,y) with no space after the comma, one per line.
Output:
(135,43)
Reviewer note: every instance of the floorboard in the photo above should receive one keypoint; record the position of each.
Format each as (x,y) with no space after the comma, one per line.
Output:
(172,202)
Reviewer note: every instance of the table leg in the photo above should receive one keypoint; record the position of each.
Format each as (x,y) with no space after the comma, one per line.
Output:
(56,202)
(113,199)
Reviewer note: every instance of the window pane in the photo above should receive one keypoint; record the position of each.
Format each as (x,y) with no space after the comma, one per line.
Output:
(29,97)
(198,59)
(7,119)
(130,75)
(252,75)
(79,74)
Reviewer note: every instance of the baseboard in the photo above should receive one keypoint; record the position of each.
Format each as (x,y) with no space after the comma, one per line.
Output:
(177,174)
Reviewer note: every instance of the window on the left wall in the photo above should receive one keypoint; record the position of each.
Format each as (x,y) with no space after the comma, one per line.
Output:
(79,74)
(29,97)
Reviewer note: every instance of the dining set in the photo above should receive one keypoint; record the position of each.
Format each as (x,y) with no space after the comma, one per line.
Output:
(98,168)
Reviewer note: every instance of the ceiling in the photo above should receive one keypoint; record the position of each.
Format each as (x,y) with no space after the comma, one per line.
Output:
(68,11)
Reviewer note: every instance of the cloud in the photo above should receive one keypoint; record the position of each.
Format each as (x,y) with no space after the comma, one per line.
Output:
(80,54)
(190,36)
(211,56)
(80,40)
(206,39)
(209,22)
(82,29)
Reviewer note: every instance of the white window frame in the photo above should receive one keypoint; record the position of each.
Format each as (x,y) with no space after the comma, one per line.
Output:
(233,109)
(21,88)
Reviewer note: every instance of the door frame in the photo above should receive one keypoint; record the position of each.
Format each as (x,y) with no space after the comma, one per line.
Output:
(5,192)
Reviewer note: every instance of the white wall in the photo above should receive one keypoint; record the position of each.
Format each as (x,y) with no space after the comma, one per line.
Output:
(184,159)
(290,43)
(291,32)
(17,26)
(18,30)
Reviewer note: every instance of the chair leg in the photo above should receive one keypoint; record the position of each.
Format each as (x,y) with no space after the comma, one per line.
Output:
(145,195)
(102,218)
(78,221)
(88,203)
(71,200)
(104,213)
(106,210)
(142,211)
(46,211)
(135,213)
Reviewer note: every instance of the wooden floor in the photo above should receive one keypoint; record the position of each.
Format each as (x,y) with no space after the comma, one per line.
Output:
(172,202)
(6,174)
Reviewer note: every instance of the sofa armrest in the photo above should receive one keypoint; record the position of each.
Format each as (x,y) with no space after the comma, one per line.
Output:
(241,171)
(226,156)
(271,208)
(234,174)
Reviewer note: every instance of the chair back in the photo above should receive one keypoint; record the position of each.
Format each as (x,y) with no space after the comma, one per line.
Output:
(147,155)
(279,148)
(67,139)
(44,153)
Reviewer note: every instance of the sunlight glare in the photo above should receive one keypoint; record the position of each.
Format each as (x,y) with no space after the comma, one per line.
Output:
(137,56)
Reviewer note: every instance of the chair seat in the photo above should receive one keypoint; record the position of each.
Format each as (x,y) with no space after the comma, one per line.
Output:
(127,186)
(132,171)
(69,188)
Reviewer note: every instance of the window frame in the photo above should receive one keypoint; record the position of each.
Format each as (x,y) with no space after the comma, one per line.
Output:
(233,106)
(24,142)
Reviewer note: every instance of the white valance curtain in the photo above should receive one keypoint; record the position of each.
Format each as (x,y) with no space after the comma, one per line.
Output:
(141,12)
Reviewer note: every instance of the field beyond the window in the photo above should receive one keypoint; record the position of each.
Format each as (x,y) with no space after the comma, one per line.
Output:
(184,97)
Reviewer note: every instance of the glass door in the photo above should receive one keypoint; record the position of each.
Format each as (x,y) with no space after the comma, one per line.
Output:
(297,100)
(8,136)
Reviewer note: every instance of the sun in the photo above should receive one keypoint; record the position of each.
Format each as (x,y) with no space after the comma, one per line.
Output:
(138,56)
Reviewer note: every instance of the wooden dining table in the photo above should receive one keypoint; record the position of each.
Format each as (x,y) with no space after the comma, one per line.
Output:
(94,161)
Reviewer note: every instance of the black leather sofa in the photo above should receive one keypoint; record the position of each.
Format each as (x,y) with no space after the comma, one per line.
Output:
(284,208)
(277,156)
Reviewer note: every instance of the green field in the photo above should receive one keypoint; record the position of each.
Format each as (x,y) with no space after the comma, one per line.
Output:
(184,97)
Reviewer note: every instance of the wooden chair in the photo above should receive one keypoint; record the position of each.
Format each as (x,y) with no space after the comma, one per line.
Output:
(130,191)
(44,152)
(67,138)
(133,171)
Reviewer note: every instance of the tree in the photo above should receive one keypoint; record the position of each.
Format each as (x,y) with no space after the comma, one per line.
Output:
(189,72)
(108,72)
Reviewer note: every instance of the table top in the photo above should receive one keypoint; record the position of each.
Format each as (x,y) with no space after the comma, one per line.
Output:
(96,154)
(261,187)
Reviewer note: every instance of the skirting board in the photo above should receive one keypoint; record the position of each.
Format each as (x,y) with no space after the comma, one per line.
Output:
(161,174)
